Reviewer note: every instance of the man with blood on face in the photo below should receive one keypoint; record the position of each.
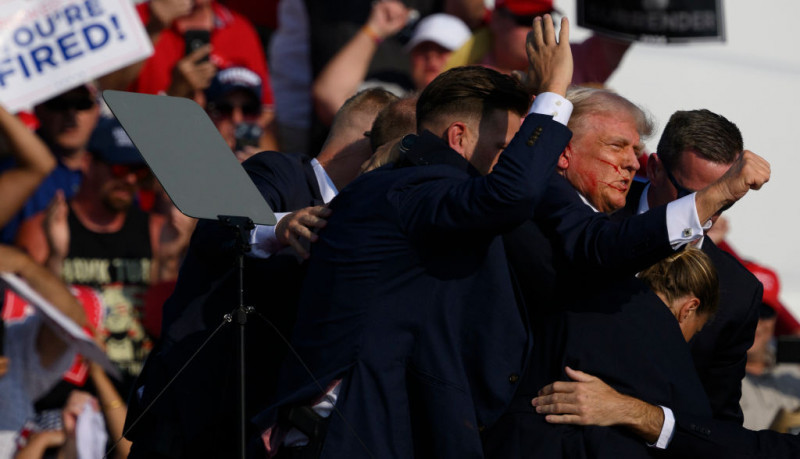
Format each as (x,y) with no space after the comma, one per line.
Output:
(601,160)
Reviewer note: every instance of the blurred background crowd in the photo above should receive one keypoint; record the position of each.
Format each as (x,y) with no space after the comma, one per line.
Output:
(87,225)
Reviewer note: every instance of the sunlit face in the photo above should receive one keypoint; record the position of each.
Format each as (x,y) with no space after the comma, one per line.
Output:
(234,108)
(765,330)
(427,61)
(494,133)
(117,184)
(601,159)
(693,173)
(67,122)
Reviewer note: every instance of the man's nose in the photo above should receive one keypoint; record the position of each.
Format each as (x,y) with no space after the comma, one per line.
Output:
(131,177)
(70,114)
(237,115)
(631,160)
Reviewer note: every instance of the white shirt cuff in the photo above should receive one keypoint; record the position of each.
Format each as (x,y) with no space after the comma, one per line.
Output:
(263,240)
(550,103)
(683,224)
(667,429)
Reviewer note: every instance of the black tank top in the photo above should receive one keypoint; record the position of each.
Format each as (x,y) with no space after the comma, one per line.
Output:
(117,266)
(102,258)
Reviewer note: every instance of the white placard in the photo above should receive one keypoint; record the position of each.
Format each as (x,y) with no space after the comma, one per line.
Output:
(50,46)
(62,325)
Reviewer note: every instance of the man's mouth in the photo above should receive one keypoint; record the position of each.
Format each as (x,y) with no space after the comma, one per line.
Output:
(621,186)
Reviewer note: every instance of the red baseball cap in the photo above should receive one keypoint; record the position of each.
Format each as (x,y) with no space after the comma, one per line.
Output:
(787,323)
(769,279)
(525,7)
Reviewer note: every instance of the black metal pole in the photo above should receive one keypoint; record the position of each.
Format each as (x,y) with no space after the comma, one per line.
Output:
(242,227)
(241,319)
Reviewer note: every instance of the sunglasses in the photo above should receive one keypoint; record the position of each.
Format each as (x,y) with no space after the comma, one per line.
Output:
(122,171)
(226,109)
(64,104)
(683,191)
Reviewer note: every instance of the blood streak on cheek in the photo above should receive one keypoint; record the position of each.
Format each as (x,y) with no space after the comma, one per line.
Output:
(616,168)
(618,188)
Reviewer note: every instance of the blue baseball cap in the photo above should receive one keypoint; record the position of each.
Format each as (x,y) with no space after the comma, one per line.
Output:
(232,78)
(110,144)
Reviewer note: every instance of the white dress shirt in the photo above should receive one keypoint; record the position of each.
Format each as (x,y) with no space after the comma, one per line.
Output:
(682,220)
(264,241)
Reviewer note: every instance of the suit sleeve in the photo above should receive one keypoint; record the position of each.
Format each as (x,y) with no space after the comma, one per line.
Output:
(500,200)
(697,437)
(275,177)
(590,240)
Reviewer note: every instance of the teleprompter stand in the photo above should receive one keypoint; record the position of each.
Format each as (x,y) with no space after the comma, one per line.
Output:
(204,180)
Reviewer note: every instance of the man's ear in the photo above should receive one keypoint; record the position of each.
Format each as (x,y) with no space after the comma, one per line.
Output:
(456,135)
(688,306)
(564,157)
(655,168)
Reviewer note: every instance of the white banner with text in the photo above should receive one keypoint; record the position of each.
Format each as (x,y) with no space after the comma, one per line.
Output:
(50,46)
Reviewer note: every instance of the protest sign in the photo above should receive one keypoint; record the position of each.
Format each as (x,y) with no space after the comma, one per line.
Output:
(65,328)
(654,20)
(49,46)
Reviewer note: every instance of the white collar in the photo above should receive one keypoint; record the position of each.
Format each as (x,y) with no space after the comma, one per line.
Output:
(327,189)
(586,201)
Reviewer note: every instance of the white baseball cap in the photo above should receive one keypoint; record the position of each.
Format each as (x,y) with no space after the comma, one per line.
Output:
(445,30)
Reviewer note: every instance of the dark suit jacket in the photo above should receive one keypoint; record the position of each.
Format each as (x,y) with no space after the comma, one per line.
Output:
(720,349)
(196,417)
(576,268)
(568,244)
(703,438)
(409,300)
(623,334)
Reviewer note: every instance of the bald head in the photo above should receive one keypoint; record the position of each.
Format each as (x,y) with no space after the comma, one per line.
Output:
(356,116)
(346,147)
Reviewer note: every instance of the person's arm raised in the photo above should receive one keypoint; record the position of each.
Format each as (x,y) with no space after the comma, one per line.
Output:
(34,163)
(347,69)
(749,172)
(549,61)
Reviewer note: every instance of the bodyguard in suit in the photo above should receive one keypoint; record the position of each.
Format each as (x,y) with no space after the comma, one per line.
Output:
(196,416)
(409,311)
(696,148)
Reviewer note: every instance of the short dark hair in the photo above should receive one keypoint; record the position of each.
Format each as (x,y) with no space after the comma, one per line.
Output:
(395,120)
(688,272)
(711,136)
(471,91)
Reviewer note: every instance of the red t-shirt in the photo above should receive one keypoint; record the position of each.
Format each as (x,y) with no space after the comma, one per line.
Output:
(261,13)
(234,41)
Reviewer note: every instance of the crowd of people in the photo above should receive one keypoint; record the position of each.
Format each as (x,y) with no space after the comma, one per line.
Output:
(475,254)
